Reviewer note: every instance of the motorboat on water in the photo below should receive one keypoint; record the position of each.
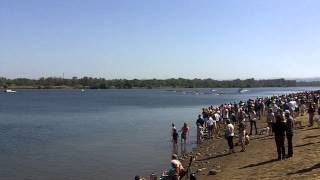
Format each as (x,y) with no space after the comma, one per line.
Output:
(243,90)
(9,91)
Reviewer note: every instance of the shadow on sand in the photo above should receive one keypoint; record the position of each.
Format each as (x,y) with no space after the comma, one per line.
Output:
(214,157)
(263,138)
(316,166)
(309,137)
(309,129)
(259,164)
(307,144)
(302,145)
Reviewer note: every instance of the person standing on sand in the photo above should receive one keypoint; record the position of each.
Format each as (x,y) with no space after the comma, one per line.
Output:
(229,133)
(217,118)
(184,132)
(302,107)
(200,121)
(253,121)
(242,135)
(210,123)
(289,132)
(279,129)
(311,112)
(270,120)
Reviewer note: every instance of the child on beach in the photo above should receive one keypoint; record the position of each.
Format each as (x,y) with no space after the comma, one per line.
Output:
(270,119)
(247,139)
(242,136)
(199,133)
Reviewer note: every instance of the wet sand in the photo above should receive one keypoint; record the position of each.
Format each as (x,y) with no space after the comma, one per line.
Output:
(260,159)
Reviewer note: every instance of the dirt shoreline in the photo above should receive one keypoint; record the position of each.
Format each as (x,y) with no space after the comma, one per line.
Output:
(260,159)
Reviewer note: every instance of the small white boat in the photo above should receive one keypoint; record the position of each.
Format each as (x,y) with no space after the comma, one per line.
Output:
(9,91)
(243,90)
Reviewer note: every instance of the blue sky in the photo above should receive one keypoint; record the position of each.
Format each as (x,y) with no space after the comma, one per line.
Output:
(160,38)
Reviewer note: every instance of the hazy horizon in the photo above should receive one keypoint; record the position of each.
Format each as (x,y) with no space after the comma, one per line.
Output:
(272,78)
(125,39)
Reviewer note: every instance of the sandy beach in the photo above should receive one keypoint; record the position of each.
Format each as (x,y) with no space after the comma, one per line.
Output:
(259,161)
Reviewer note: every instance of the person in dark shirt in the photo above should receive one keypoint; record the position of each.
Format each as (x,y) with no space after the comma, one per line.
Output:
(279,129)
(311,112)
(200,120)
(175,136)
(289,132)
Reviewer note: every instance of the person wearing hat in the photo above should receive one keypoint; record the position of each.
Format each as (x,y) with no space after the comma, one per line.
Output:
(289,132)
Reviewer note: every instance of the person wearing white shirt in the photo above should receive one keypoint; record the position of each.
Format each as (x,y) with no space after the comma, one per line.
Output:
(229,135)
(210,124)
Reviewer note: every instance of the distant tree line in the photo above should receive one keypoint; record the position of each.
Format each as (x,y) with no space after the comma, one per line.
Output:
(101,83)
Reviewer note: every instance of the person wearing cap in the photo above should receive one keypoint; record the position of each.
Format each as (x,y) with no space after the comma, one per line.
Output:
(289,132)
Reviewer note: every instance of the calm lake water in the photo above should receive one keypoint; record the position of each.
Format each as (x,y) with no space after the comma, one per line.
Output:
(100,134)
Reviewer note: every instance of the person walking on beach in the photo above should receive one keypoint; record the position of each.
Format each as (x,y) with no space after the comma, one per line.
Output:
(289,132)
(279,129)
(229,133)
(184,132)
(253,121)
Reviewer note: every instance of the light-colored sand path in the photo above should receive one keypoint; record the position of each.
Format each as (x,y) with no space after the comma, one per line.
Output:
(260,159)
